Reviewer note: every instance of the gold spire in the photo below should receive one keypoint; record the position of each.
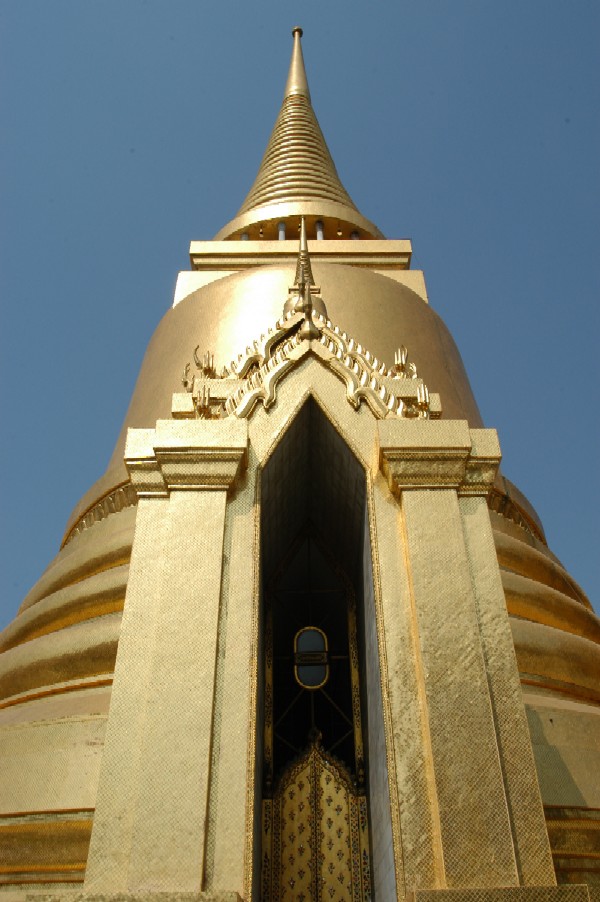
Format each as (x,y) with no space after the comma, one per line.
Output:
(297,175)
(297,162)
(304,295)
(297,82)
(303,264)
(306,287)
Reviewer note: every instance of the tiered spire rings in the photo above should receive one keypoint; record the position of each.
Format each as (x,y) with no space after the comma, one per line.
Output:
(297,175)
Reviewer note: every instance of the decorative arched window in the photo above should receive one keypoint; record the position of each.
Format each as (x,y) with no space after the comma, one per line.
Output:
(311,657)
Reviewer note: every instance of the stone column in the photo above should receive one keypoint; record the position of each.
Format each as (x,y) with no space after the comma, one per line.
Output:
(151,812)
(488,825)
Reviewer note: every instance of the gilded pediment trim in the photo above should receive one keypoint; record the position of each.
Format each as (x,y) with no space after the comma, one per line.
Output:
(256,374)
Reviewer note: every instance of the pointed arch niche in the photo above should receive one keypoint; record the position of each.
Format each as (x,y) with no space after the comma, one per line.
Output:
(316,571)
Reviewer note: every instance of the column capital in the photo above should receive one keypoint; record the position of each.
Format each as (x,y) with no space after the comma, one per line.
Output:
(186,455)
(438,454)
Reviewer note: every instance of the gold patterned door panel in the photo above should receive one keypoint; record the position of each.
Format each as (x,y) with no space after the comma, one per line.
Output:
(315,835)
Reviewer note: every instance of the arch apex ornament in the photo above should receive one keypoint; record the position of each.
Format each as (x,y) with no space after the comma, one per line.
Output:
(303,289)
(304,292)
(304,259)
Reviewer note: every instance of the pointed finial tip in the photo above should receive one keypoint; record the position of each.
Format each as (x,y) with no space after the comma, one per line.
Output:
(297,83)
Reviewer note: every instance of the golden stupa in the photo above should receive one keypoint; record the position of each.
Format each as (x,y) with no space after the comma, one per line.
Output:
(303,639)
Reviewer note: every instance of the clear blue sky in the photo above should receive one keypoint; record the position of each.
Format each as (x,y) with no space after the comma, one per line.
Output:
(129,129)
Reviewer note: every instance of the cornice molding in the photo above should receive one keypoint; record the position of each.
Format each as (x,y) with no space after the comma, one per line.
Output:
(438,455)
(189,455)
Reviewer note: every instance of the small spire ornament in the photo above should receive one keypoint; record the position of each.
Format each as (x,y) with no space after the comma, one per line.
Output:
(304,287)
(303,257)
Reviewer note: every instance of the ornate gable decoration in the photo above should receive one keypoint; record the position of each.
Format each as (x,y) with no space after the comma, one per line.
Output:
(253,378)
